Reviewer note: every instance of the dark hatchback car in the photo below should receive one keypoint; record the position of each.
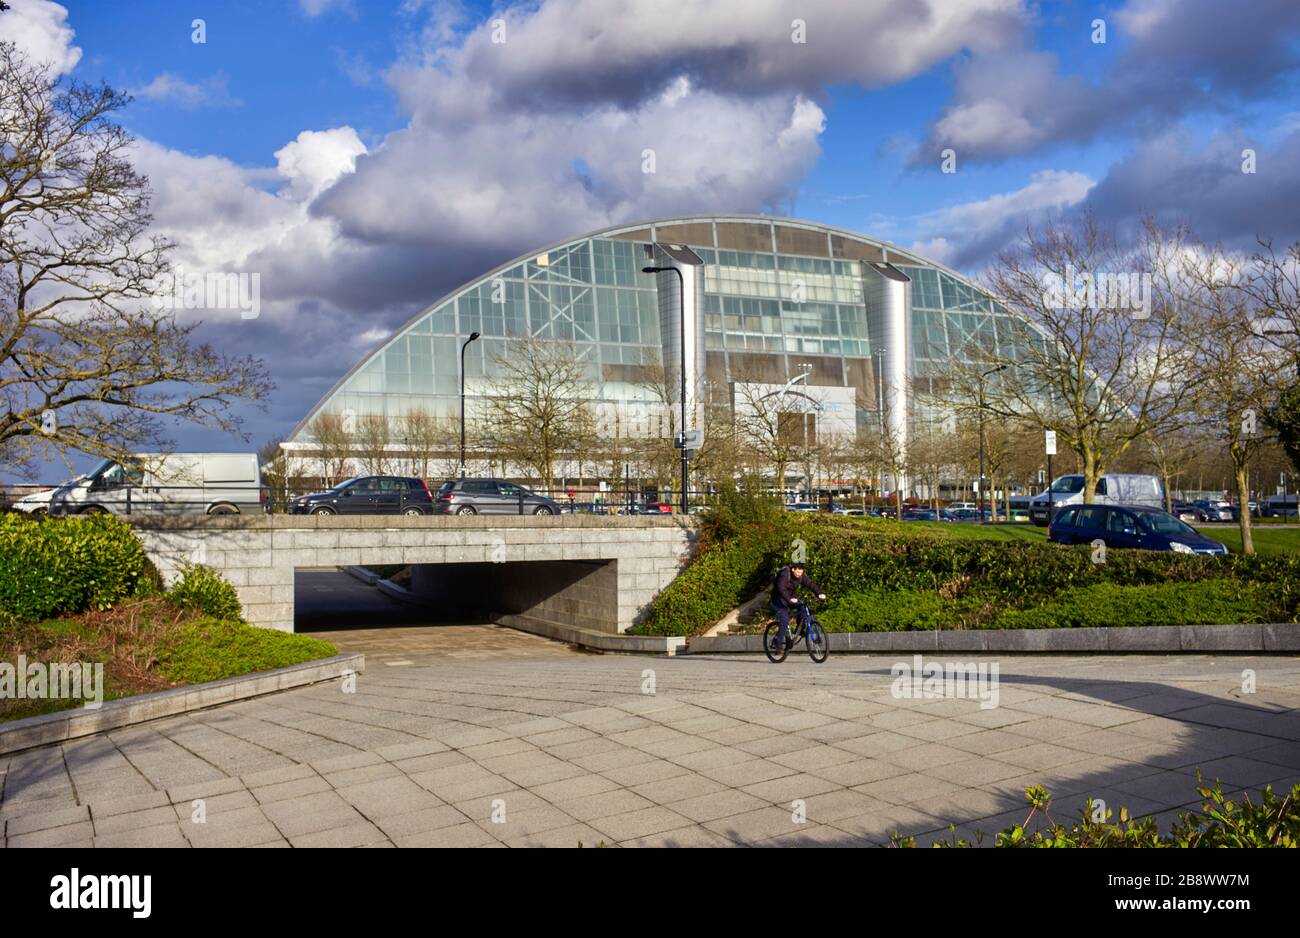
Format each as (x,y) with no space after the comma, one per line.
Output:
(368,495)
(1129,526)
(490,497)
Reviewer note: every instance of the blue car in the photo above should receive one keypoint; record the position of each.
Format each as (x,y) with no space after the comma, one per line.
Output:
(1129,526)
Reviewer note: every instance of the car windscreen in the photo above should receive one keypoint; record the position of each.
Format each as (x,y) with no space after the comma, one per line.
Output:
(1068,485)
(1164,524)
(342,485)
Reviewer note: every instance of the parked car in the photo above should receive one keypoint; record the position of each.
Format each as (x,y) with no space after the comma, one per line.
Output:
(179,483)
(962,514)
(921,514)
(1186,511)
(38,503)
(1213,509)
(1129,526)
(1281,506)
(368,495)
(801,506)
(1112,489)
(490,497)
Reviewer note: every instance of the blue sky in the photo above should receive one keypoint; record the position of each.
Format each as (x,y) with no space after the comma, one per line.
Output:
(366,155)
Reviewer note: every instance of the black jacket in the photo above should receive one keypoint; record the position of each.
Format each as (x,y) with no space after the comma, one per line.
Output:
(785,586)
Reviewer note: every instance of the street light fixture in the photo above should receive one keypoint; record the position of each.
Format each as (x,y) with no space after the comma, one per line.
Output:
(682,307)
(991,371)
(472,337)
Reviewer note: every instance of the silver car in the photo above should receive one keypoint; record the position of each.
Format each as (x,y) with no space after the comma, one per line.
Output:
(490,497)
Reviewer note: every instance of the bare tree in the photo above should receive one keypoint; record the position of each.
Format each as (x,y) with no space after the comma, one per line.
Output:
(333,447)
(769,424)
(424,438)
(1235,368)
(86,361)
(538,410)
(1097,353)
(371,444)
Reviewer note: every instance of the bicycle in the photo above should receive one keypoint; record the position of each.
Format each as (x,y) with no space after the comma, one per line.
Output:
(807,627)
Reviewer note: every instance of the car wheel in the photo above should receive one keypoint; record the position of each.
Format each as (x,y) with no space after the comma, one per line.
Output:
(466,510)
(412,511)
(39,511)
(94,510)
(543,510)
(322,510)
(223,510)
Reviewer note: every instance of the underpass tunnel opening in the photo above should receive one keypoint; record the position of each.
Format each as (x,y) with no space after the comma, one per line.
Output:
(569,592)
(582,593)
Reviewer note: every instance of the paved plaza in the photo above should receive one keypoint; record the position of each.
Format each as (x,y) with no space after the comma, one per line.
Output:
(534,744)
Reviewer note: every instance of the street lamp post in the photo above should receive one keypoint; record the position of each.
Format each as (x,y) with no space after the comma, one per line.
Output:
(472,337)
(682,308)
(984,375)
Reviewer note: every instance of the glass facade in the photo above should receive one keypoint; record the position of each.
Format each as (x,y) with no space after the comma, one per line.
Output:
(795,299)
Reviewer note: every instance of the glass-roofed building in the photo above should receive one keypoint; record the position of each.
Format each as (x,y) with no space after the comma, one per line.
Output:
(856,324)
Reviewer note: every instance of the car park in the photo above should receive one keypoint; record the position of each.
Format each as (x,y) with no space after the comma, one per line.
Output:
(1137,527)
(490,497)
(368,495)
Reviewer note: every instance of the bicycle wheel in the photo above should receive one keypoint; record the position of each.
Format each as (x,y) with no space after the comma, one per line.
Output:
(819,642)
(769,641)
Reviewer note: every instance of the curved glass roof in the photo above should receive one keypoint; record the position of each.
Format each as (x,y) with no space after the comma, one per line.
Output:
(589,291)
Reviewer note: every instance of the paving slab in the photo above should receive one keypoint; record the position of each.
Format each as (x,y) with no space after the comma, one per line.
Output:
(729,750)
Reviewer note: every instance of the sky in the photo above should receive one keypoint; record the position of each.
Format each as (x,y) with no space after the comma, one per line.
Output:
(363,157)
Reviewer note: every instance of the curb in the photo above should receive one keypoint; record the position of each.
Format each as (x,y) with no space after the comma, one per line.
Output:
(1276,638)
(114,714)
(669,645)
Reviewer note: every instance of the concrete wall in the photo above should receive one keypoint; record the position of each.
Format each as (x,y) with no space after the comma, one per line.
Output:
(258,555)
(573,592)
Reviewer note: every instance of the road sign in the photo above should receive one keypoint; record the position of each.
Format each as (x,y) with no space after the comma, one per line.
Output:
(691,439)
(1051,442)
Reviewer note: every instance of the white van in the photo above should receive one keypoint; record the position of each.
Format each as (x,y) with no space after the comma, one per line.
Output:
(1112,489)
(174,483)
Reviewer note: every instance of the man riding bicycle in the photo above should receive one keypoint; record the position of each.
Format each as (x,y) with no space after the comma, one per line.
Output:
(784,589)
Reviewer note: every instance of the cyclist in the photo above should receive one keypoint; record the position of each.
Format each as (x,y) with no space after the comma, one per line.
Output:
(784,589)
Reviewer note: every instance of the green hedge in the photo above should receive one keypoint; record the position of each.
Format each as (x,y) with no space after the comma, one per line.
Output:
(213,649)
(206,590)
(879,577)
(61,566)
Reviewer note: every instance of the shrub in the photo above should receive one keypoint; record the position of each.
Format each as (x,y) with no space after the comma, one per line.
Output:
(1272,822)
(1209,602)
(62,566)
(879,610)
(204,589)
(210,649)
(864,565)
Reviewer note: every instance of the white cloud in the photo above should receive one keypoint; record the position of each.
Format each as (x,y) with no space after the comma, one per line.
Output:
(317,159)
(971,232)
(40,28)
(172,89)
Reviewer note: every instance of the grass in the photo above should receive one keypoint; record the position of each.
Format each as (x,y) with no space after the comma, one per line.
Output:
(150,645)
(1268,540)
